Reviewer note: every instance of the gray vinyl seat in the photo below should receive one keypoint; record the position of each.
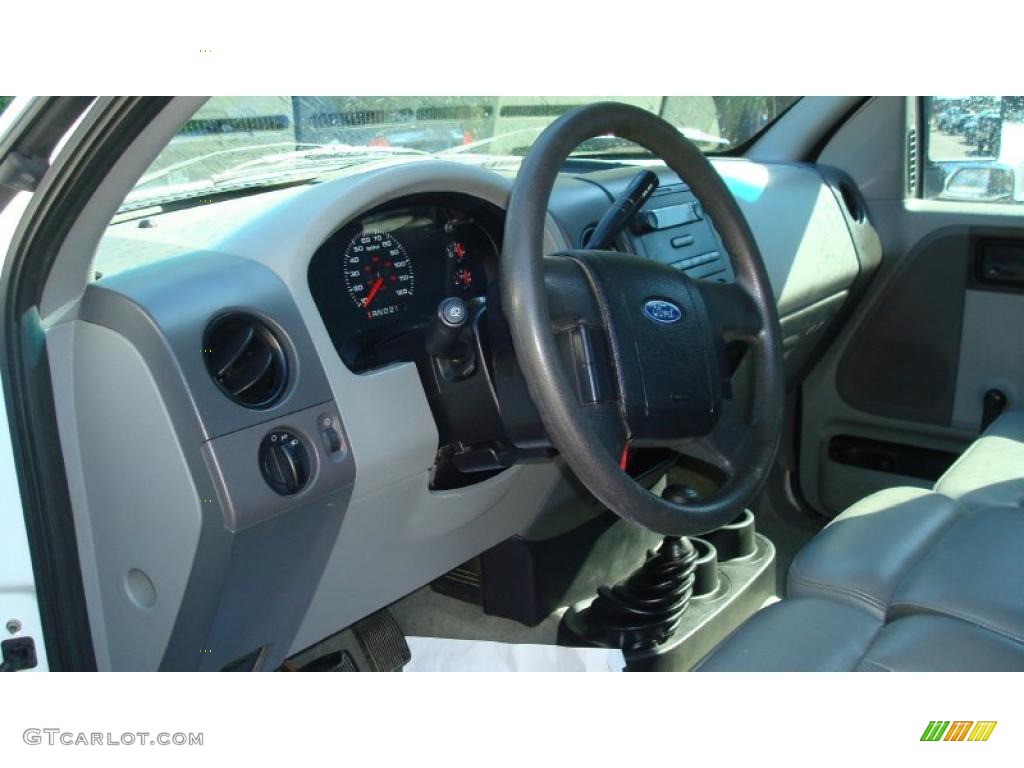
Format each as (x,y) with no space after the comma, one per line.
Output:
(907,579)
(991,471)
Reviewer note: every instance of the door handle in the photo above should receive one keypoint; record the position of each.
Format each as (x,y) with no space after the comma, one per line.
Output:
(1000,262)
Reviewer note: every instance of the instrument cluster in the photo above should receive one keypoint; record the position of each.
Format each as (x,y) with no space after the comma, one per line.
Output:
(379,279)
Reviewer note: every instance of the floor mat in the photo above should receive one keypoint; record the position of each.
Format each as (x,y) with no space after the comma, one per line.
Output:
(436,654)
(426,613)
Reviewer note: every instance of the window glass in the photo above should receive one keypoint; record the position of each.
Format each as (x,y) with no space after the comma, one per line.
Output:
(249,145)
(975,149)
(268,140)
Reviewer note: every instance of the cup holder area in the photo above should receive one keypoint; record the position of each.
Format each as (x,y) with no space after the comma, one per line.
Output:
(735,540)
(705,581)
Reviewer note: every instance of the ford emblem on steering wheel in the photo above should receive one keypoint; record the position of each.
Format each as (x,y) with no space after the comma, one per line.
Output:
(664,312)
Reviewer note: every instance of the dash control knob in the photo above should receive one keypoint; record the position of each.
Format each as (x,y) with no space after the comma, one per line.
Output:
(284,462)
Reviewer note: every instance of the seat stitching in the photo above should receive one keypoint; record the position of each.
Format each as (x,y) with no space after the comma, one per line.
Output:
(871,642)
(921,553)
(848,591)
(955,614)
(837,588)
(874,663)
(913,562)
(911,572)
(853,592)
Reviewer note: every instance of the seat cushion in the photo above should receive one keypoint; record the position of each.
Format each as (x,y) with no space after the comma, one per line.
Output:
(797,635)
(974,572)
(941,644)
(819,635)
(990,472)
(907,579)
(861,557)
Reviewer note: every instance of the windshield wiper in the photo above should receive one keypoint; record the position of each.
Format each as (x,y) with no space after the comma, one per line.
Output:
(273,170)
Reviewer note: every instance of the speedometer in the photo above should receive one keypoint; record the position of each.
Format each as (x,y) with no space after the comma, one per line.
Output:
(378,274)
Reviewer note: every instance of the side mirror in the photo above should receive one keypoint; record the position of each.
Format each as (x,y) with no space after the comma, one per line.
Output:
(991,183)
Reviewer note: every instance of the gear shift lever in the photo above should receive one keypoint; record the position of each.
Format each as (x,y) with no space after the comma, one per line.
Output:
(643,612)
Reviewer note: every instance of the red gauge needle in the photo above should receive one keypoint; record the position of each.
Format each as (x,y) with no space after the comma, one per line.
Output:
(373,291)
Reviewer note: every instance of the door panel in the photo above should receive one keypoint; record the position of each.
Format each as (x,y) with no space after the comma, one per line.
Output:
(899,393)
(992,355)
(902,363)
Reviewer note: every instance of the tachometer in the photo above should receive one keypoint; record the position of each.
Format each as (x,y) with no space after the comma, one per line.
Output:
(378,274)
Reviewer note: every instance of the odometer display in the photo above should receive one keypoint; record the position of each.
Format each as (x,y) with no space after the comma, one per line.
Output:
(378,274)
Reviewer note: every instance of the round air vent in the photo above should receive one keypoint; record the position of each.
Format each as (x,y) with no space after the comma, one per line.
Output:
(851,199)
(246,360)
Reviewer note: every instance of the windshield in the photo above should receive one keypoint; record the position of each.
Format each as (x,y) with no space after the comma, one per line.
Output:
(235,143)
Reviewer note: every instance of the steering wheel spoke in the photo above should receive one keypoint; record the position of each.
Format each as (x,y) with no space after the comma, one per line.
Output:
(726,445)
(733,312)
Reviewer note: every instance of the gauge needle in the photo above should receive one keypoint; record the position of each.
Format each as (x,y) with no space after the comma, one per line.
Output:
(373,291)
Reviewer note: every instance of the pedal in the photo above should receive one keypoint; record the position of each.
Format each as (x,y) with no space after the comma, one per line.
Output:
(373,644)
(383,643)
(464,583)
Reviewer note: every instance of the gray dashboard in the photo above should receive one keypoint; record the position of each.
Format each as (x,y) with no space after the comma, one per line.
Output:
(810,224)
(206,566)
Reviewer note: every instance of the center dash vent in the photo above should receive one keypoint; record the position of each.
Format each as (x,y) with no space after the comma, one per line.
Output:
(588,230)
(246,360)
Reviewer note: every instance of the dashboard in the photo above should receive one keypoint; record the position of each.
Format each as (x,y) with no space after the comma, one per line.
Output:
(380,278)
(331,288)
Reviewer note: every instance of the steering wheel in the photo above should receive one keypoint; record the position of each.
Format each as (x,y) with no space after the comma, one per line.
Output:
(619,351)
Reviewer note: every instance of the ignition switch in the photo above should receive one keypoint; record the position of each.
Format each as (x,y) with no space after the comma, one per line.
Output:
(443,340)
(449,340)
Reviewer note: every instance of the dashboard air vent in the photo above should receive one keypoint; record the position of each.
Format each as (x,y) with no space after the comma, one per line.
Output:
(246,360)
(851,199)
(589,230)
(912,162)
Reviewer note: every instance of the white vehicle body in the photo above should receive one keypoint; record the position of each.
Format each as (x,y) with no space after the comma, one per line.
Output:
(19,607)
